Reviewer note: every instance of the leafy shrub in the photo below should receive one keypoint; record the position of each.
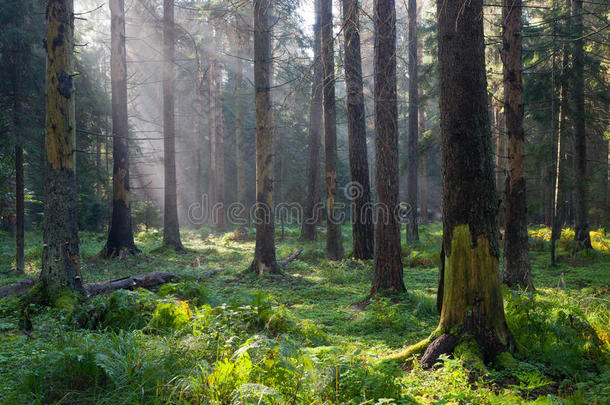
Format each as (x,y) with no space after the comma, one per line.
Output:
(356,381)
(146,214)
(172,315)
(122,310)
(556,335)
(192,292)
(61,375)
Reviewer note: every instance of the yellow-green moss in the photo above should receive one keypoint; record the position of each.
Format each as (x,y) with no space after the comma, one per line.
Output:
(471,279)
(505,360)
(469,351)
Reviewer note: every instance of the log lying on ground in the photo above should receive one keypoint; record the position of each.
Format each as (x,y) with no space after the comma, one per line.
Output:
(129,283)
(284,262)
(126,283)
(18,288)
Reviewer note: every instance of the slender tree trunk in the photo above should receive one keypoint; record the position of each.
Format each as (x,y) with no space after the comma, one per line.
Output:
(560,128)
(517,271)
(219,217)
(387,263)
(19,185)
(423,187)
(197,136)
(240,144)
(334,246)
(500,164)
(120,237)
(581,226)
(360,190)
(60,253)
(412,233)
(264,254)
(212,177)
(171,227)
(311,214)
(421,119)
(470,297)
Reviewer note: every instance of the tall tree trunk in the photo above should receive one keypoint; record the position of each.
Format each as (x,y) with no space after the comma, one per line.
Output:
(197,135)
(120,237)
(240,144)
(517,271)
(470,297)
(334,245)
(412,233)
(581,226)
(311,213)
(421,119)
(423,187)
(19,185)
(500,163)
(219,210)
(60,253)
(212,176)
(360,190)
(264,253)
(171,227)
(560,129)
(387,263)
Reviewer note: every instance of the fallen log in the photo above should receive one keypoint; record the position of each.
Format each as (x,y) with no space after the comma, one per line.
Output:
(284,262)
(129,283)
(126,283)
(18,288)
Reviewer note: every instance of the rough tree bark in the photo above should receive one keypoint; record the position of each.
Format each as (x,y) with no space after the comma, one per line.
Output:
(120,236)
(412,233)
(334,245)
(360,192)
(387,263)
(517,271)
(500,162)
(310,214)
(171,227)
(560,134)
(19,185)
(60,253)
(469,289)
(216,84)
(582,238)
(264,253)
(240,144)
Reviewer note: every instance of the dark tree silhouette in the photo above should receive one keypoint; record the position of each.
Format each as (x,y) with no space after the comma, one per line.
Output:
(264,254)
(362,220)
(517,272)
(388,264)
(120,236)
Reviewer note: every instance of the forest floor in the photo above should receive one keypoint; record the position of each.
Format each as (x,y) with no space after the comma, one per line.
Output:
(302,337)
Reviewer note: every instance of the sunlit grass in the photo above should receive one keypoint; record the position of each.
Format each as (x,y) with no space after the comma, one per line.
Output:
(313,329)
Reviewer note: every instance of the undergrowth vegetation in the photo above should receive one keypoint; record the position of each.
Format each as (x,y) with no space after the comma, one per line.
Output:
(309,336)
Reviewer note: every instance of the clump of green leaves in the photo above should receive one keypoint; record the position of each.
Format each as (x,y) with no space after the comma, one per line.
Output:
(122,310)
(194,293)
(554,334)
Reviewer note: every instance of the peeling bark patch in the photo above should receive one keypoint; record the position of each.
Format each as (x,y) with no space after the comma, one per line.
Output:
(64,84)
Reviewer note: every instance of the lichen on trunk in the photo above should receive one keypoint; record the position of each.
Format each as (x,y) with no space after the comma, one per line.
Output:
(472,298)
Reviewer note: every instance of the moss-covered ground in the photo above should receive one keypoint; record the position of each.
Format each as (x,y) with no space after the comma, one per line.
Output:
(309,336)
